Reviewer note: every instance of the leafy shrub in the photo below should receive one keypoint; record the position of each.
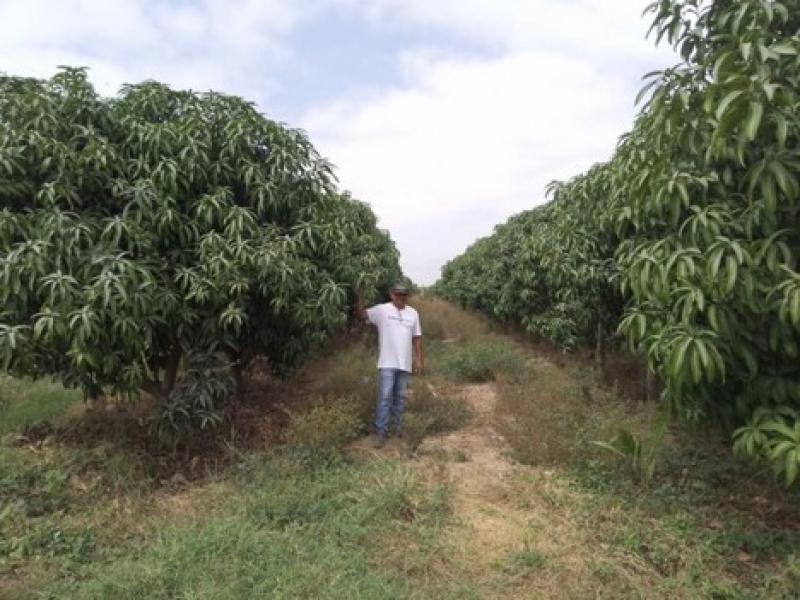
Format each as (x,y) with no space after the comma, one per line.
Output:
(196,400)
(485,359)
(773,435)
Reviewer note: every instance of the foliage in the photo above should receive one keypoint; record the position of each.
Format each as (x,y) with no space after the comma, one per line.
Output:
(196,399)
(140,230)
(706,197)
(548,269)
(696,217)
(775,436)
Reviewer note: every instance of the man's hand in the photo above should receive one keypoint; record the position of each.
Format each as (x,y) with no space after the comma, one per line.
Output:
(419,357)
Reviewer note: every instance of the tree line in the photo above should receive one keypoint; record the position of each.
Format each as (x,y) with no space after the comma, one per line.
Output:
(686,241)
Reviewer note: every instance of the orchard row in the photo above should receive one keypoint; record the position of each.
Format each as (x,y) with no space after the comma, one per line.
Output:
(687,240)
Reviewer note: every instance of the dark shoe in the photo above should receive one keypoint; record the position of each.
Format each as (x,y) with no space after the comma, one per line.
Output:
(380,441)
(399,434)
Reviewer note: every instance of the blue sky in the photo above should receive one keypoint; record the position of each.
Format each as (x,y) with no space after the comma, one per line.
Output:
(447,116)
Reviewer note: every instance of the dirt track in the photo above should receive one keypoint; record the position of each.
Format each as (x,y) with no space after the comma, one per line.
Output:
(502,509)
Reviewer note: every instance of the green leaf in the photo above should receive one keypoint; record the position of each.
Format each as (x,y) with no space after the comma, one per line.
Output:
(722,107)
(754,120)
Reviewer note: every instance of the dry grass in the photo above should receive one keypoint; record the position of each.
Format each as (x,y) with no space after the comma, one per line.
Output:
(552,419)
(443,321)
(691,532)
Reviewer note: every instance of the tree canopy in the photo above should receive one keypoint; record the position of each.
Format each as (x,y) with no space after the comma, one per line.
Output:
(695,219)
(162,228)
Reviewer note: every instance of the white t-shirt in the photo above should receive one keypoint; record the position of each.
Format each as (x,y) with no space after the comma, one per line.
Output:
(395,329)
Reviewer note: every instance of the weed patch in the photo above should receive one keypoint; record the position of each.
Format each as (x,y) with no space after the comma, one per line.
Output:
(487,358)
(522,562)
(555,419)
(429,412)
(442,320)
(30,488)
(328,426)
(692,521)
(25,403)
(294,532)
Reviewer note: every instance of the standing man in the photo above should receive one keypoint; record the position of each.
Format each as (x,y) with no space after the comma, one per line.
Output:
(399,331)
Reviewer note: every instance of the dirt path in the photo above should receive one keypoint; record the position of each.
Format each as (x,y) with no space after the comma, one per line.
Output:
(474,462)
(516,534)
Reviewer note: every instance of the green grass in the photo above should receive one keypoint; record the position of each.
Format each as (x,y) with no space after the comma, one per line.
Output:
(81,521)
(293,530)
(24,402)
(339,404)
(284,524)
(481,359)
(95,517)
(521,562)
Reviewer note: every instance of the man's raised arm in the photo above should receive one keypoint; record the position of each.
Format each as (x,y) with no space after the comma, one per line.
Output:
(360,310)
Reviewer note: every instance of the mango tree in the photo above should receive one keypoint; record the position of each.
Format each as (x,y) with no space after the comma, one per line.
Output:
(549,269)
(708,196)
(164,232)
(697,217)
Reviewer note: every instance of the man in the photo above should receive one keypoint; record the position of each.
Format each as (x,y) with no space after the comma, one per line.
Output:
(399,331)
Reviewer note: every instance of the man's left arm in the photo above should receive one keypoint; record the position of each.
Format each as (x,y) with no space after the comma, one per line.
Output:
(419,355)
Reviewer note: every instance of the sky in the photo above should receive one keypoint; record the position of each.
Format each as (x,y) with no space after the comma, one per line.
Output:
(446,116)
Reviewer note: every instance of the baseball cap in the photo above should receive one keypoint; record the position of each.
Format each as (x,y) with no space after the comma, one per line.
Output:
(400,288)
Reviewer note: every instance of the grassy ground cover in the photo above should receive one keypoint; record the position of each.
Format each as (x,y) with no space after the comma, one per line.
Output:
(276,507)
(24,403)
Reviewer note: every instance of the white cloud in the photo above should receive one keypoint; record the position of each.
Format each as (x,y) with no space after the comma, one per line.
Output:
(471,133)
(607,27)
(467,141)
(208,44)
(505,95)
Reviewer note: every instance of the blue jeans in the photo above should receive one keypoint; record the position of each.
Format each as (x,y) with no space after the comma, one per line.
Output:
(392,385)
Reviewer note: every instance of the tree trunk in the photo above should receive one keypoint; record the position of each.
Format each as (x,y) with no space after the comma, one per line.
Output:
(650,385)
(239,365)
(171,369)
(600,349)
(238,376)
(155,389)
